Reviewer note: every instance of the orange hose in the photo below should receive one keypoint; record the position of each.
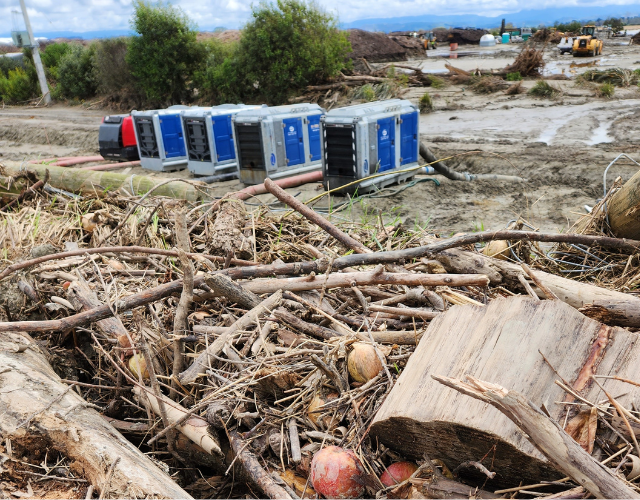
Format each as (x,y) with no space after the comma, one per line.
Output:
(288,182)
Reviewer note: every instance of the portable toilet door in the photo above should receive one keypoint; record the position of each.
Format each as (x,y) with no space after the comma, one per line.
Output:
(223,136)
(315,150)
(293,141)
(408,138)
(386,143)
(172,136)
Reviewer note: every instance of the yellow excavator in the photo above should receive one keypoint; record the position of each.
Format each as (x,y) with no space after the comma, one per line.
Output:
(587,44)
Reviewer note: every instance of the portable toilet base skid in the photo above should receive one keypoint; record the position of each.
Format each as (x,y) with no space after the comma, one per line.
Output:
(160,139)
(208,134)
(366,139)
(277,142)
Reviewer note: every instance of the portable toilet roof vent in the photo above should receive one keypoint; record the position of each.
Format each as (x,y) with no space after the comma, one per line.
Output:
(208,135)
(160,139)
(366,139)
(279,141)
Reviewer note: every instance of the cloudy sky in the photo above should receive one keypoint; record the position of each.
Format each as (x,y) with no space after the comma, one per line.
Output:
(95,15)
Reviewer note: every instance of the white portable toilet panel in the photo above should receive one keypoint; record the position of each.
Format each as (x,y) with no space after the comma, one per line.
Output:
(208,136)
(276,142)
(367,139)
(160,139)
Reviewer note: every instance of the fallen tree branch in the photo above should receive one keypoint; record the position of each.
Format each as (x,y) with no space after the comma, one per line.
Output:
(133,249)
(201,362)
(560,448)
(253,468)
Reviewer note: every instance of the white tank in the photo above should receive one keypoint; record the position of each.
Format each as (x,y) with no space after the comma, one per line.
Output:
(487,41)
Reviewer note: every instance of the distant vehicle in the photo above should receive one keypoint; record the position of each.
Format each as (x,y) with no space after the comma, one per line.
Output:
(429,40)
(566,45)
(588,43)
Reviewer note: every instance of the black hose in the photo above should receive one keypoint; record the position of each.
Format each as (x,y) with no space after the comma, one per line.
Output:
(442,169)
(218,178)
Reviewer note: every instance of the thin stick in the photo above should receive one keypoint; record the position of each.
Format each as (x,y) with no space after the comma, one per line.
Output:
(550,295)
(314,217)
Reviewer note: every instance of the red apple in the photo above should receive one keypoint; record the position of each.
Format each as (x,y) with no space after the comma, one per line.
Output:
(398,472)
(332,472)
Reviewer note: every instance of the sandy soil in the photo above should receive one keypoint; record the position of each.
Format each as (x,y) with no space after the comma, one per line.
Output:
(561,146)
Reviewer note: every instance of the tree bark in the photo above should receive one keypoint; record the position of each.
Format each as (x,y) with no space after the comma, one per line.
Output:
(624,210)
(223,286)
(561,449)
(30,386)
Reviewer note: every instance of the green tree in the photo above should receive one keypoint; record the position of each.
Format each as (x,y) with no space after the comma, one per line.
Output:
(616,24)
(17,86)
(51,57)
(285,47)
(112,72)
(165,54)
(76,74)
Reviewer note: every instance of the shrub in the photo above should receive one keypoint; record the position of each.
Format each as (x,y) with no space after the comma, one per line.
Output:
(219,81)
(605,90)
(51,57)
(542,88)
(76,75)
(7,64)
(425,104)
(287,46)
(17,86)
(437,82)
(165,54)
(514,77)
(487,84)
(112,72)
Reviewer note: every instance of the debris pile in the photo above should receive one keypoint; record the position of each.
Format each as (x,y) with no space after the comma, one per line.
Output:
(245,353)
(459,35)
(374,47)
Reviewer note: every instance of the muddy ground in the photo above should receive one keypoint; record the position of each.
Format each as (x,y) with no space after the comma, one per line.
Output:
(561,146)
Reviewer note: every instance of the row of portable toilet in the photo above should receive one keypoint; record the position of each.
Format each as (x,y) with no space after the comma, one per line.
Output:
(348,143)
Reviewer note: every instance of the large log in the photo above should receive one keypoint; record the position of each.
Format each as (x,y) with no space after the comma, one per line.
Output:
(89,182)
(37,407)
(624,210)
(500,343)
(614,308)
(547,435)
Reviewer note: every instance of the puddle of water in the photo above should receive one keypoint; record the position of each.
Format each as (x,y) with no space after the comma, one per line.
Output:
(551,131)
(600,135)
(587,64)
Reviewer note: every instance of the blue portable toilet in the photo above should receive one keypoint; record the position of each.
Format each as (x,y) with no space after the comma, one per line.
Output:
(366,139)
(160,139)
(208,135)
(278,141)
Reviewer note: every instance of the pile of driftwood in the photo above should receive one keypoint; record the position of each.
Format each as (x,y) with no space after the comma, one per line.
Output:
(157,347)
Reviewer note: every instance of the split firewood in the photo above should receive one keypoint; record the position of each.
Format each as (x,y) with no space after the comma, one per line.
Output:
(35,404)
(547,435)
(421,416)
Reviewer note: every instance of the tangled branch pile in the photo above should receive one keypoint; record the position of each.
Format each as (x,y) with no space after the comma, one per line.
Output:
(239,348)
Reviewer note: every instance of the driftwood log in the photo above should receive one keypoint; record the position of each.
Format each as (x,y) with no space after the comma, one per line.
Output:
(624,209)
(227,237)
(502,342)
(37,408)
(547,435)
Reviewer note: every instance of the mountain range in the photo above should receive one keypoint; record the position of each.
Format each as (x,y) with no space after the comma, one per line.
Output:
(532,18)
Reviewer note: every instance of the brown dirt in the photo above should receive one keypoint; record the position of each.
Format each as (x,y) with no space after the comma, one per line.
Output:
(414,47)
(223,36)
(374,47)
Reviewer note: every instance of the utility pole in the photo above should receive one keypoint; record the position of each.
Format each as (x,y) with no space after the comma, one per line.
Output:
(36,56)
